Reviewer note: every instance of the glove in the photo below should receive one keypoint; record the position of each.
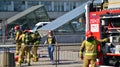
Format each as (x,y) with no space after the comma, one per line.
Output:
(81,57)
(107,39)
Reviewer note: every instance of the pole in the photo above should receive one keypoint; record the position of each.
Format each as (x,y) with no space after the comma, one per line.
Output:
(87,15)
(3,31)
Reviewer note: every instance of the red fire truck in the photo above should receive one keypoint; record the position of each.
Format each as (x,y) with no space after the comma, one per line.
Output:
(105,23)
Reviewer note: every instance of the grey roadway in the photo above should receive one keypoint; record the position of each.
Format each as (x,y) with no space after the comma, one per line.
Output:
(46,63)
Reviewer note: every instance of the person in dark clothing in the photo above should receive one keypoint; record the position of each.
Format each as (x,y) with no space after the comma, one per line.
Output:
(51,41)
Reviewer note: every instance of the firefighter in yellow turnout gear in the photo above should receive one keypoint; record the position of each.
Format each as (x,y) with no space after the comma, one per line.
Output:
(25,47)
(17,41)
(36,41)
(89,47)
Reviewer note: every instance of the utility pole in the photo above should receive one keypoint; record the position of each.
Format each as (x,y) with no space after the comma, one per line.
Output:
(3,31)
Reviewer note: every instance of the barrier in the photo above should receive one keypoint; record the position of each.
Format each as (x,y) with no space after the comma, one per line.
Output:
(7,59)
(64,54)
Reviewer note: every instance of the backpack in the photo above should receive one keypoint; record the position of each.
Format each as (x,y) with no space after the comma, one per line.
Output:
(38,37)
(27,38)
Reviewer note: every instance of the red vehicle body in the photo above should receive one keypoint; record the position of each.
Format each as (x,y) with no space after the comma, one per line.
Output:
(106,24)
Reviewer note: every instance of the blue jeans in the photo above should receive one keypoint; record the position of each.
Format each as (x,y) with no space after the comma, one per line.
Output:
(50,51)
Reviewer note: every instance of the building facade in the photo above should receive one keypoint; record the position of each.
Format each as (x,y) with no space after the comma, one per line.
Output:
(55,8)
(71,14)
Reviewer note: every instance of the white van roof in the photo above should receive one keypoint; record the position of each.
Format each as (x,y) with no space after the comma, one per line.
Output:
(39,23)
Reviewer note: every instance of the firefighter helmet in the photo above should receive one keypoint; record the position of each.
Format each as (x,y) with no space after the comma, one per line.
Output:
(89,33)
(16,27)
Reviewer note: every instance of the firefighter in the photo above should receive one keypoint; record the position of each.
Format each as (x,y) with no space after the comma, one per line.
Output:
(89,47)
(51,41)
(17,41)
(25,47)
(36,41)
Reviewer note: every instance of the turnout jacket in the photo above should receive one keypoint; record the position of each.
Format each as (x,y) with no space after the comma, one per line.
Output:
(90,48)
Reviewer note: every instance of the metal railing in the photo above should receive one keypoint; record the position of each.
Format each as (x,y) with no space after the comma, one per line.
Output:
(64,54)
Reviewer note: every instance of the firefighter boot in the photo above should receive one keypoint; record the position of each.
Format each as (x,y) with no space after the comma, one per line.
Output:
(18,64)
(20,60)
(28,56)
(28,62)
(34,59)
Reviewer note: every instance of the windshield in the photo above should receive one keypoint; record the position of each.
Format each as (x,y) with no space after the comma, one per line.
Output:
(37,27)
(34,28)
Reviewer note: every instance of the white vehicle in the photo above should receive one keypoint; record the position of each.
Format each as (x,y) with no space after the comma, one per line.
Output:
(39,25)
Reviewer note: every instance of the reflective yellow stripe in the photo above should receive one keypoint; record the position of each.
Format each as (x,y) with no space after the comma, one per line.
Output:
(81,52)
(90,53)
(35,56)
